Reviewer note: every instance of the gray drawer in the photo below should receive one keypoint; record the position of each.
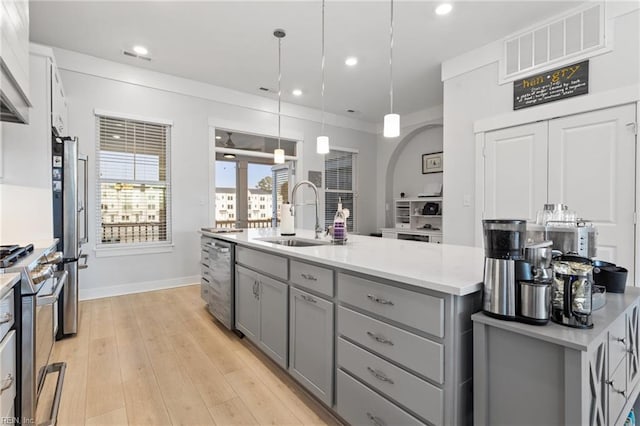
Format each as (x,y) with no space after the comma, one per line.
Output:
(412,351)
(205,256)
(262,262)
(423,398)
(312,277)
(617,343)
(359,405)
(617,392)
(417,310)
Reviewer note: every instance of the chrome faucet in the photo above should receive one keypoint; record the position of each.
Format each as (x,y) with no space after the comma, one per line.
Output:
(293,203)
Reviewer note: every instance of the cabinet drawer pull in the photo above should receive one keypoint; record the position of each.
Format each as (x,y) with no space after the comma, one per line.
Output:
(379,375)
(308,298)
(379,338)
(256,289)
(375,420)
(621,392)
(379,300)
(7,383)
(7,318)
(309,277)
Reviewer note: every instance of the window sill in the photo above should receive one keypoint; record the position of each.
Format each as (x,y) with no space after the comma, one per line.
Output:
(132,250)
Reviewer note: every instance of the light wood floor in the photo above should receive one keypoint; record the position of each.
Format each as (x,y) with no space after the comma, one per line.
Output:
(158,358)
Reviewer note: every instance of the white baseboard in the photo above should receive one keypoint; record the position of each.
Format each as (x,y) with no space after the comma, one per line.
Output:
(141,287)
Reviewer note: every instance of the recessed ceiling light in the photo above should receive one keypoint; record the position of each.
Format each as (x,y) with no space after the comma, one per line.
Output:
(444,9)
(116,136)
(351,61)
(218,138)
(297,92)
(140,50)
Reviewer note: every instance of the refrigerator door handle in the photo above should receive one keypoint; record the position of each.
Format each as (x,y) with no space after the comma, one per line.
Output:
(83,206)
(83,265)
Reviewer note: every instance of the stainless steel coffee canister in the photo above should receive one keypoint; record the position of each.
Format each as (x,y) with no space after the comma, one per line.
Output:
(535,301)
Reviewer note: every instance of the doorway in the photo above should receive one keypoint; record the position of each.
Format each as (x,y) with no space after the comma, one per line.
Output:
(249,188)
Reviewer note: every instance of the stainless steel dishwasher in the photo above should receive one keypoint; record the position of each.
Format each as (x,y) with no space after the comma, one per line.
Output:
(217,289)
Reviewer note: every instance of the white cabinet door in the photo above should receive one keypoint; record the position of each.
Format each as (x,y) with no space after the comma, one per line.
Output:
(515,172)
(592,170)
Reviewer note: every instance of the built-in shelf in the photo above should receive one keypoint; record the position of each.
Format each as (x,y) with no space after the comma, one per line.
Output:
(410,225)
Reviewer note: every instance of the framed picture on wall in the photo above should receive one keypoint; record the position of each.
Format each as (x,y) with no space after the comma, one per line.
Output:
(432,163)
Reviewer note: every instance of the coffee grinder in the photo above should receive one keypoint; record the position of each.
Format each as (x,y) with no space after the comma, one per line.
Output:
(504,266)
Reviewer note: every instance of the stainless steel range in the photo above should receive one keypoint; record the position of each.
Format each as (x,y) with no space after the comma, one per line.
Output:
(40,288)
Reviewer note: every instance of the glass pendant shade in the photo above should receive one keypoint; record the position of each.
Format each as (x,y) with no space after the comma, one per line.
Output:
(322,145)
(278,156)
(391,126)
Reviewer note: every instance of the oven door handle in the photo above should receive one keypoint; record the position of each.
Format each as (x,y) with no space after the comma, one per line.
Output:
(52,298)
(60,368)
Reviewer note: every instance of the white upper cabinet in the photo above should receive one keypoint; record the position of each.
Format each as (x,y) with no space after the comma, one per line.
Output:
(14,60)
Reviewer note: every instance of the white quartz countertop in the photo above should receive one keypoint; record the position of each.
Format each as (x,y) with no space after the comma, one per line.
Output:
(7,281)
(446,268)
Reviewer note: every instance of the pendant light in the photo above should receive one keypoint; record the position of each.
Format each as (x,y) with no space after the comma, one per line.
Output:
(322,142)
(391,120)
(278,154)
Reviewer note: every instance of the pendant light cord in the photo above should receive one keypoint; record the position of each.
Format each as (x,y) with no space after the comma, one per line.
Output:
(279,84)
(322,67)
(391,61)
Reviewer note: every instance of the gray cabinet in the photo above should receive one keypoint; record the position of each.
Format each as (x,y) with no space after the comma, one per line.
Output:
(261,312)
(273,299)
(311,343)
(247,303)
(585,377)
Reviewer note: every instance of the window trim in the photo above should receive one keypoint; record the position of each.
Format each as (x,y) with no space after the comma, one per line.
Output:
(127,249)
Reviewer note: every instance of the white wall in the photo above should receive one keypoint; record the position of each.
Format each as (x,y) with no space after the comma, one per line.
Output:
(407,176)
(388,151)
(475,94)
(90,84)
(191,117)
(25,188)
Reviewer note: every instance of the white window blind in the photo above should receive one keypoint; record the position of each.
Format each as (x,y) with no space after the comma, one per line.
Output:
(281,176)
(133,185)
(340,182)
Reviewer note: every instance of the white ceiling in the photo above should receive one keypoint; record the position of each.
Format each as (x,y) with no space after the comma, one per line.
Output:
(230,43)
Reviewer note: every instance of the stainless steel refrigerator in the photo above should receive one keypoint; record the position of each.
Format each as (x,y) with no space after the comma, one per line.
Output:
(69,181)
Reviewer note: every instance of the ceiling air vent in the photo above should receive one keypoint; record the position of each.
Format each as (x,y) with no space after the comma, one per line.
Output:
(578,35)
(135,55)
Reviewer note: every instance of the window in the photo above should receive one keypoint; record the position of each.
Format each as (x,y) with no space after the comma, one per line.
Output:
(133,169)
(340,182)
(280,176)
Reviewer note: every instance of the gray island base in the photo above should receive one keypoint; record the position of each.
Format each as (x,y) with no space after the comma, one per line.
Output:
(556,375)
(377,330)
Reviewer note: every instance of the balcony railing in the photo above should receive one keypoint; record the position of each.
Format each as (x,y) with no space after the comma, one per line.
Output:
(139,232)
(251,223)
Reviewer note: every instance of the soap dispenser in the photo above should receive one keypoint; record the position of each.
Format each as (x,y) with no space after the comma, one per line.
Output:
(339,225)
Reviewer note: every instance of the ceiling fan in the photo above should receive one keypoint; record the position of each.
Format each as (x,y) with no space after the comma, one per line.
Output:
(229,144)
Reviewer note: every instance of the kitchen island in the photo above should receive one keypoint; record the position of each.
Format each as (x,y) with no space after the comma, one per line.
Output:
(365,327)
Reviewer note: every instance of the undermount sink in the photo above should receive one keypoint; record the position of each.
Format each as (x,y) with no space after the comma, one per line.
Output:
(294,242)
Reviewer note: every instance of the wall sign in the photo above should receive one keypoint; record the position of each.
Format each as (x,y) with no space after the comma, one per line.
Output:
(553,85)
